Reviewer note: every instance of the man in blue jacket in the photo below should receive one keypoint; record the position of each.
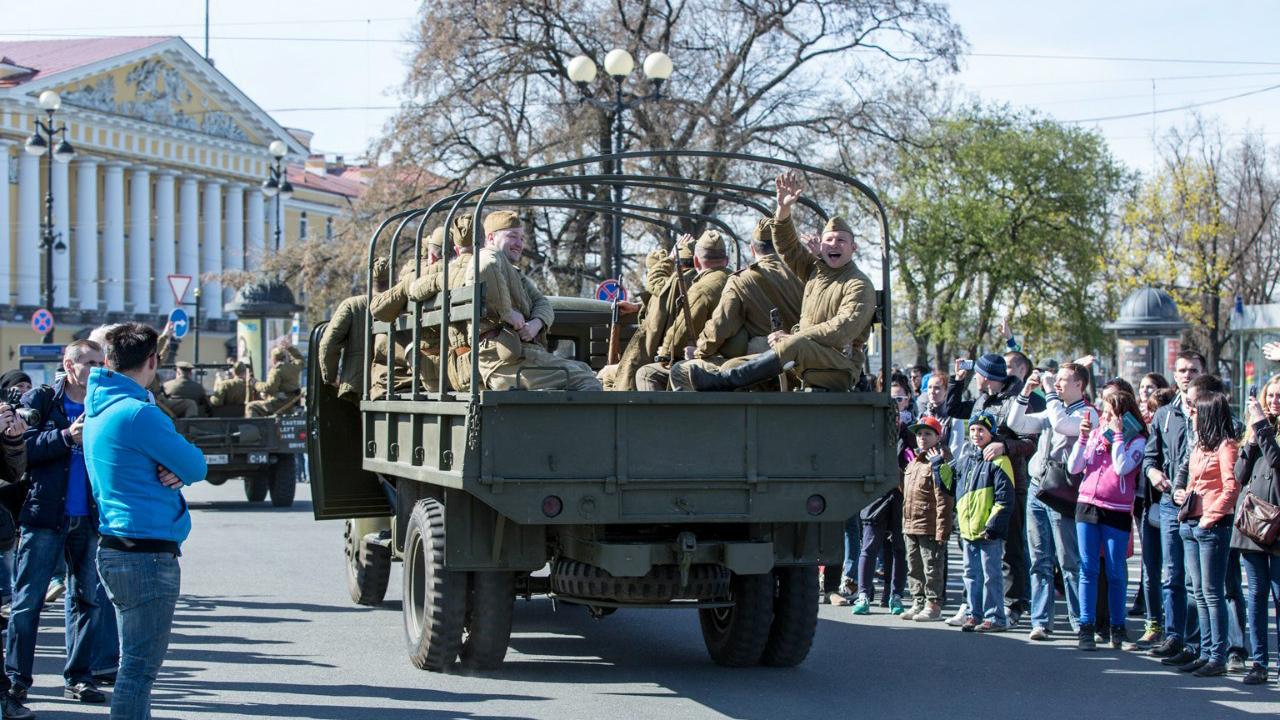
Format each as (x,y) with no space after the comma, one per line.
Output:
(142,522)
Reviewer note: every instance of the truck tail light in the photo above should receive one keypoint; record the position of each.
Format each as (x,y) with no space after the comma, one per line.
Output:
(551,506)
(816,505)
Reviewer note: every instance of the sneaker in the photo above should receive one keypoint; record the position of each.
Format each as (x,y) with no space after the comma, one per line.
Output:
(19,693)
(931,613)
(848,589)
(1210,669)
(838,600)
(915,609)
(895,604)
(960,617)
(1086,640)
(1235,663)
(988,626)
(1183,657)
(1151,638)
(970,624)
(1196,664)
(13,709)
(1169,647)
(57,587)
(85,692)
(1038,633)
(862,606)
(1257,675)
(1015,617)
(1119,637)
(105,679)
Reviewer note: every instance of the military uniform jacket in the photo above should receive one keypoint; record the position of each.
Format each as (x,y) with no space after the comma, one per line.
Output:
(748,297)
(284,379)
(704,296)
(838,303)
(507,289)
(229,391)
(188,389)
(344,337)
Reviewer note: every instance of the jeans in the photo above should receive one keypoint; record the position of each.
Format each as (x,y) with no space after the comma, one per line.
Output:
(39,553)
(1149,537)
(1233,591)
(1052,538)
(1094,539)
(1263,570)
(6,577)
(1206,558)
(1175,584)
(873,537)
(983,579)
(104,659)
(1017,584)
(144,591)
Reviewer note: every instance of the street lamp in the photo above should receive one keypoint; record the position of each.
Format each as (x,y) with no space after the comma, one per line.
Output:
(618,63)
(277,185)
(41,143)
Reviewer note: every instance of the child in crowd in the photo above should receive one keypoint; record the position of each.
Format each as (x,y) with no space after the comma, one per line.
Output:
(926,525)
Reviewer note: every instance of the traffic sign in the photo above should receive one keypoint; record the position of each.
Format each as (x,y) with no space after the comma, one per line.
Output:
(178,284)
(42,321)
(181,323)
(611,290)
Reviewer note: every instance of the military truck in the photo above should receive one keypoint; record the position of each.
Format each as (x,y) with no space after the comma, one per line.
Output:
(264,452)
(723,503)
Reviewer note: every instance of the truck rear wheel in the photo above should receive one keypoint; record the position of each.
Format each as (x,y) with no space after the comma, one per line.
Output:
(368,568)
(795,616)
(284,483)
(256,485)
(435,599)
(736,636)
(490,605)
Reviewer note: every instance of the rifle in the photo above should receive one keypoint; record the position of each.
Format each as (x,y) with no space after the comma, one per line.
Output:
(775,324)
(615,336)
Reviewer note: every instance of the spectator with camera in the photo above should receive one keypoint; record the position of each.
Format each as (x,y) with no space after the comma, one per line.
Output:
(59,520)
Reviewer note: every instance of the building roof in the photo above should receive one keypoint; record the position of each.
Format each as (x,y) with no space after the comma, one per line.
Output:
(336,184)
(50,57)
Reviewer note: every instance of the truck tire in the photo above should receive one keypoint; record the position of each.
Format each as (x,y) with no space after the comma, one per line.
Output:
(736,636)
(661,584)
(216,479)
(435,599)
(490,605)
(368,568)
(795,616)
(256,486)
(284,483)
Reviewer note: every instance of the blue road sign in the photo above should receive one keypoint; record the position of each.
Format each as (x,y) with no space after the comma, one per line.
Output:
(181,323)
(610,290)
(52,353)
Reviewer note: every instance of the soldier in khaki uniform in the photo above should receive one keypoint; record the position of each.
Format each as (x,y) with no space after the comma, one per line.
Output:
(517,316)
(432,282)
(835,313)
(231,392)
(344,339)
(709,260)
(655,317)
(391,304)
(283,384)
(741,322)
(185,397)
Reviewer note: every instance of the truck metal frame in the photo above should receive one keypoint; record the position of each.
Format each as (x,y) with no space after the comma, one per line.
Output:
(722,501)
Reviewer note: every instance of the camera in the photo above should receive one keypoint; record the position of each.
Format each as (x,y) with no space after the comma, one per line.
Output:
(30,416)
(1253,391)
(13,396)
(964,364)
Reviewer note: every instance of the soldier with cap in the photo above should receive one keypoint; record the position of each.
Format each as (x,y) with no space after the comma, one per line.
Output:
(512,349)
(344,339)
(709,261)
(387,306)
(282,388)
(743,320)
(185,397)
(655,317)
(231,393)
(835,311)
(430,285)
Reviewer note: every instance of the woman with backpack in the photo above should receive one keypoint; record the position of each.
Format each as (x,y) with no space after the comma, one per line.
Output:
(1256,472)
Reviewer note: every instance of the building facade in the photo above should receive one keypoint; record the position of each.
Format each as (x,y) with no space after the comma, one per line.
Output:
(166,180)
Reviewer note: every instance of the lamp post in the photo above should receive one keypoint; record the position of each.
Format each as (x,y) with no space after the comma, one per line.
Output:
(41,143)
(618,63)
(277,185)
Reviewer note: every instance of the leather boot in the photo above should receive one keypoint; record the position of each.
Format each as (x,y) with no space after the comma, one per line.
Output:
(763,367)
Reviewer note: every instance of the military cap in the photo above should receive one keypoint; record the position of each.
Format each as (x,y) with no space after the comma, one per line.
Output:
(461,230)
(436,239)
(711,244)
(764,231)
(838,224)
(501,220)
(184,365)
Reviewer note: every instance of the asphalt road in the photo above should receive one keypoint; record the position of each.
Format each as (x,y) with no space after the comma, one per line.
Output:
(265,629)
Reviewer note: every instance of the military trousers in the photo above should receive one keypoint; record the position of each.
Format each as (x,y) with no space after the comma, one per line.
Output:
(534,369)
(817,364)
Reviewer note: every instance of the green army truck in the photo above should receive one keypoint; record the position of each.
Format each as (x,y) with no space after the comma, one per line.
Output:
(723,503)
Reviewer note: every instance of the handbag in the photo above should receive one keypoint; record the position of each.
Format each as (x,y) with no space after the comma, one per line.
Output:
(1059,489)
(1190,509)
(1258,520)
(877,508)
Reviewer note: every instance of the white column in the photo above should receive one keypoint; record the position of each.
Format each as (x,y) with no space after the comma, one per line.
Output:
(233,235)
(253,240)
(189,229)
(140,239)
(85,249)
(164,256)
(211,250)
(113,235)
(28,251)
(6,247)
(62,231)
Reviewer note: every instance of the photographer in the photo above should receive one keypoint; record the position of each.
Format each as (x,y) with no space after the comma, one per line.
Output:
(59,520)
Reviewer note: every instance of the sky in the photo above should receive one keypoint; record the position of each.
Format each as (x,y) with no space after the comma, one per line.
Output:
(332,66)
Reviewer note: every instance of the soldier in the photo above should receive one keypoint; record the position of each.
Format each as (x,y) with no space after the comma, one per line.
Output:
(283,385)
(517,316)
(231,392)
(655,318)
(344,338)
(185,397)
(742,321)
(430,284)
(709,261)
(835,313)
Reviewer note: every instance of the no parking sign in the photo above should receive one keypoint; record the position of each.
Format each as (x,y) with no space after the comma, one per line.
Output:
(611,290)
(42,321)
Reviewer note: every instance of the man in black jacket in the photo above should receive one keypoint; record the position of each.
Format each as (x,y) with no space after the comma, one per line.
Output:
(997,393)
(58,519)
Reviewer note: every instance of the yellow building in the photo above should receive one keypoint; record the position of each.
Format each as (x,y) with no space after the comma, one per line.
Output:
(170,157)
